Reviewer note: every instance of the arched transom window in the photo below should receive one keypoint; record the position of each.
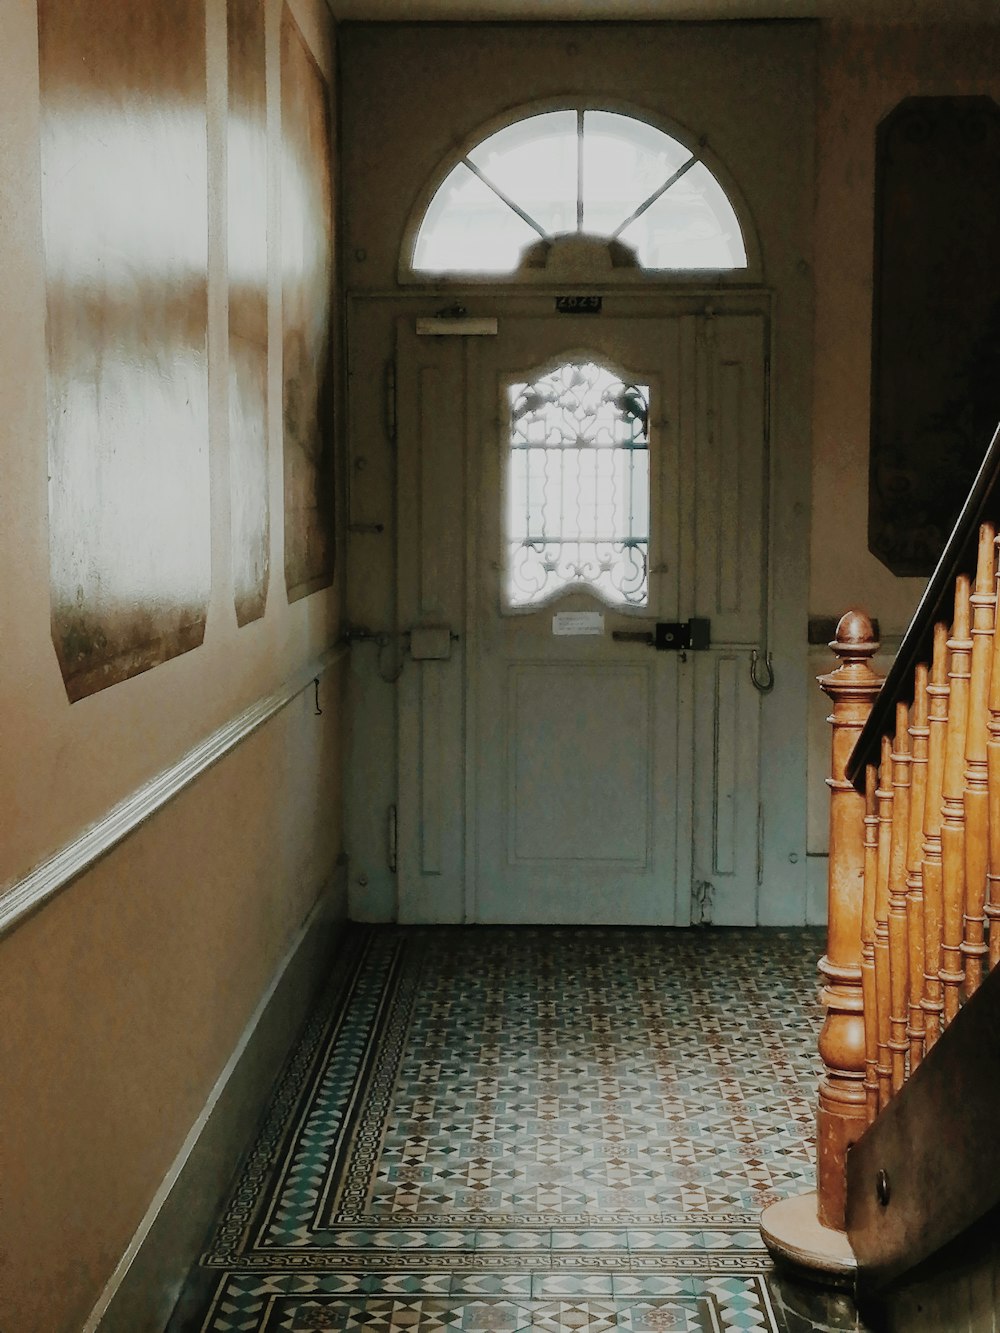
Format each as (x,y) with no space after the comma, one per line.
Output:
(588,174)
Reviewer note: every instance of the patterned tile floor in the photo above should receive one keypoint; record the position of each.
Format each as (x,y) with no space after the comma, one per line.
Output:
(536,1128)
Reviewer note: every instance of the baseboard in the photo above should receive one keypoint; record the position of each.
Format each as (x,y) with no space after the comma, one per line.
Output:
(143,1290)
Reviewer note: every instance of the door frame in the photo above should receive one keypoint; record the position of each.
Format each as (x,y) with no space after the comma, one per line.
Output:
(371,320)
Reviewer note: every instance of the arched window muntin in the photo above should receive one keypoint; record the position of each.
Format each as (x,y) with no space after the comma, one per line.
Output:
(697,145)
(648,382)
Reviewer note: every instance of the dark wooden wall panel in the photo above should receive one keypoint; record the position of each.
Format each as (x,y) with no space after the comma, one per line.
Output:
(124,208)
(247,245)
(307,265)
(936,344)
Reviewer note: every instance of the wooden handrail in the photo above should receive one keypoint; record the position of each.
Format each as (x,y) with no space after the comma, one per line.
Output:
(958,556)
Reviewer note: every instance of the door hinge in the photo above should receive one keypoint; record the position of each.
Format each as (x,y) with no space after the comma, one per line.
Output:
(391,838)
(390,401)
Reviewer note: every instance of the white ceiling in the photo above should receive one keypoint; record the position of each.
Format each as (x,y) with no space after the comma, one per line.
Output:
(877,11)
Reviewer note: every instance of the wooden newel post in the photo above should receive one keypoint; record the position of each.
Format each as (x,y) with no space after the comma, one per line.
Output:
(841,1118)
(808,1231)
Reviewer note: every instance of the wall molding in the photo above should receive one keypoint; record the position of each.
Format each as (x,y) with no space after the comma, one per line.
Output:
(26,895)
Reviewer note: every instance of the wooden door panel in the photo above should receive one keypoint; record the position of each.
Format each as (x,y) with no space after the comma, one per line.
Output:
(579,764)
(730,476)
(730,589)
(726,802)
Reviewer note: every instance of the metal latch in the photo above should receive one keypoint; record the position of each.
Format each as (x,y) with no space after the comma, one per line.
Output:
(670,636)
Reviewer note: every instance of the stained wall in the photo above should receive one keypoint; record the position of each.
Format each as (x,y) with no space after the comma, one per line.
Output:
(123,996)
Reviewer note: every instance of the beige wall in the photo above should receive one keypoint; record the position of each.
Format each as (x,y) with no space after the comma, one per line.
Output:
(122,998)
(864,73)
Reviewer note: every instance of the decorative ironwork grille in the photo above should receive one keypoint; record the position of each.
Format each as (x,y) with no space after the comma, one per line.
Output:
(578,487)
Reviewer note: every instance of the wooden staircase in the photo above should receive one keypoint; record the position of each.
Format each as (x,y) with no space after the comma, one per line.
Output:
(908,1149)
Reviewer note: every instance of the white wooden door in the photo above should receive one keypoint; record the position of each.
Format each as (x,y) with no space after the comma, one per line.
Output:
(547,776)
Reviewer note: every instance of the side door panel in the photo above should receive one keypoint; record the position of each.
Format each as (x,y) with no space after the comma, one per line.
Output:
(431,587)
(731,588)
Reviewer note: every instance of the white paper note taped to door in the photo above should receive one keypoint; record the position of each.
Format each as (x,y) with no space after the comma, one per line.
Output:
(578,622)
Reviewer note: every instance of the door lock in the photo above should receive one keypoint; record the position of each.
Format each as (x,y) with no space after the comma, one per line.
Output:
(673,636)
(670,636)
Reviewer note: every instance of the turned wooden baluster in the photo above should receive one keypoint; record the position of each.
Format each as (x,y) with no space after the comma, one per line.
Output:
(993,766)
(919,735)
(974,947)
(868,945)
(938,695)
(899,986)
(841,1118)
(883,991)
(953,803)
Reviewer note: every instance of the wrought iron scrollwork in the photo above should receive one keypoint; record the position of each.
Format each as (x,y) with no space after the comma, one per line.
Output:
(578,487)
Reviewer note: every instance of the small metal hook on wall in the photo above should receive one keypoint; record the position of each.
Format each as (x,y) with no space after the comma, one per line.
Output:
(319,711)
(763,684)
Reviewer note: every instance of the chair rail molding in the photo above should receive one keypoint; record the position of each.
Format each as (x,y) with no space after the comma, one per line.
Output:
(24,896)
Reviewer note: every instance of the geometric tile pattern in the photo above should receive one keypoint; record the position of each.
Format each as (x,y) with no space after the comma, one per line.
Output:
(251,1304)
(507,1128)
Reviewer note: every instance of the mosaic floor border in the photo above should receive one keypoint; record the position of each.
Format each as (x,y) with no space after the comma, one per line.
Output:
(431,1301)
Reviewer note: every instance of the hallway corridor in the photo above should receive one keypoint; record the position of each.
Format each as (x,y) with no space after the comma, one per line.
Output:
(502,1129)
